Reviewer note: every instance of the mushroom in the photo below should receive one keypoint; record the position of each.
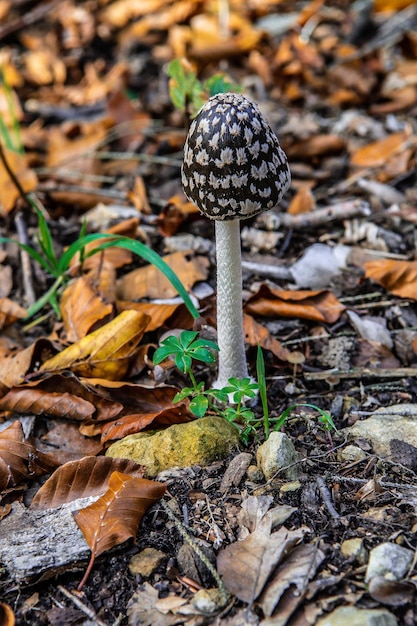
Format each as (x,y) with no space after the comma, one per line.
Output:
(233,168)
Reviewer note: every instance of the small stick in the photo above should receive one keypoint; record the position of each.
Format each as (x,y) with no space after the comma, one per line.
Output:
(327,499)
(91,614)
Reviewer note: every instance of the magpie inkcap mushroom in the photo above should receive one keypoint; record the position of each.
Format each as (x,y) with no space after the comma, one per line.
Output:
(233,169)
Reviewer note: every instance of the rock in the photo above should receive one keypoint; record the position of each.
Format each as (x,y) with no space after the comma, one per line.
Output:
(208,600)
(276,453)
(146,562)
(389,560)
(195,443)
(351,616)
(351,454)
(354,548)
(387,423)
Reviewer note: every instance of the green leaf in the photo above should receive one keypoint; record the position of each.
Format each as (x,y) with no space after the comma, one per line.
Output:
(202,354)
(183,362)
(199,406)
(187,392)
(161,353)
(187,337)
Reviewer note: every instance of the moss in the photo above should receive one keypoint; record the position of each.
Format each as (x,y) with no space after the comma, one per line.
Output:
(196,443)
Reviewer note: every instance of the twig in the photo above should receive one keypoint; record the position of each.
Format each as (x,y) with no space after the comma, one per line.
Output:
(25,260)
(91,614)
(191,542)
(331,213)
(325,494)
(262,269)
(29,17)
(363,372)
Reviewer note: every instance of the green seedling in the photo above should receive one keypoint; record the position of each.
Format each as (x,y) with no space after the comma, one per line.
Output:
(228,401)
(187,93)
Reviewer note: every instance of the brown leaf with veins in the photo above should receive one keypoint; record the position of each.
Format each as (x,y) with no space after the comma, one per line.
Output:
(319,306)
(19,459)
(78,479)
(115,517)
(246,565)
(105,352)
(25,399)
(398,277)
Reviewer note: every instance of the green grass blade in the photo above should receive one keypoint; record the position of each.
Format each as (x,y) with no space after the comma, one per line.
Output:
(34,254)
(136,247)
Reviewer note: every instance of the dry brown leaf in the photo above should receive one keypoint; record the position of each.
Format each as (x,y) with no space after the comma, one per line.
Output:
(10,312)
(83,306)
(319,306)
(19,459)
(398,277)
(130,424)
(26,177)
(79,479)
(376,154)
(105,352)
(317,145)
(298,568)
(256,334)
(303,201)
(115,517)
(15,366)
(149,282)
(246,565)
(25,399)
(391,592)
(7,617)
(65,441)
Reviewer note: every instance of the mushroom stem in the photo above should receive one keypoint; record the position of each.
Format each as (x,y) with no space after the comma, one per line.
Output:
(232,356)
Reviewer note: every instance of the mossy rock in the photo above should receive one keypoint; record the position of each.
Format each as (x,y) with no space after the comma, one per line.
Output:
(195,443)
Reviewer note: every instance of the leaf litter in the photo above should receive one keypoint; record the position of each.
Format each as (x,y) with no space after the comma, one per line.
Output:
(337,81)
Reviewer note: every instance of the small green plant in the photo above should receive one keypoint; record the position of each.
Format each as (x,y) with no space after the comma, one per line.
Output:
(229,402)
(184,350)
(187,93)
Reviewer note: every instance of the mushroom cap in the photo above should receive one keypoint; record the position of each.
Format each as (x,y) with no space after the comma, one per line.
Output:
(234,166)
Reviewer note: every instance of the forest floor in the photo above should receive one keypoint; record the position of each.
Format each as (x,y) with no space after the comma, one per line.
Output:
(330,284)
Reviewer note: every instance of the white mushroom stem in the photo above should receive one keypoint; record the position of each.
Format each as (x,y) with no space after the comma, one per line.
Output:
(232,356)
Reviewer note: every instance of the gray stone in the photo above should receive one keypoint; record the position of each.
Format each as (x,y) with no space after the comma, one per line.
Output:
(389,560)
(351,616)
(351,454)
(394,422)
(354,549)
(195,443)
(276,453)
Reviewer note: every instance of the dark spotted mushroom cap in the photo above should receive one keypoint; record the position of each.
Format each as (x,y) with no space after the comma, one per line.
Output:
(233,164)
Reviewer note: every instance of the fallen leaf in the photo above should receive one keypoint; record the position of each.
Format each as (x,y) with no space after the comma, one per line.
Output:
(319,305)
(376,154)
(10,312)
(115,516)
(79,479)
(298,568)
(7,617)
(149,282)
(105,352)
(26,177)
(398,277)
(246,565)
(19,459)
(256,334)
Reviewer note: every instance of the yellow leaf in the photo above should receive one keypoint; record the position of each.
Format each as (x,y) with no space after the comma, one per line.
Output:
(106,352)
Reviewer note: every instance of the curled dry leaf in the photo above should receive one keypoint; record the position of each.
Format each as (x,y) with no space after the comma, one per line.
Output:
(398,277)
(246,565)
(79,479)
(115,517)
(82,306)
(10,312)
(377,153)
(14,368)
(105,352)
(168,315)
(7,617)
(319,305)
(256,334)
(19,459)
